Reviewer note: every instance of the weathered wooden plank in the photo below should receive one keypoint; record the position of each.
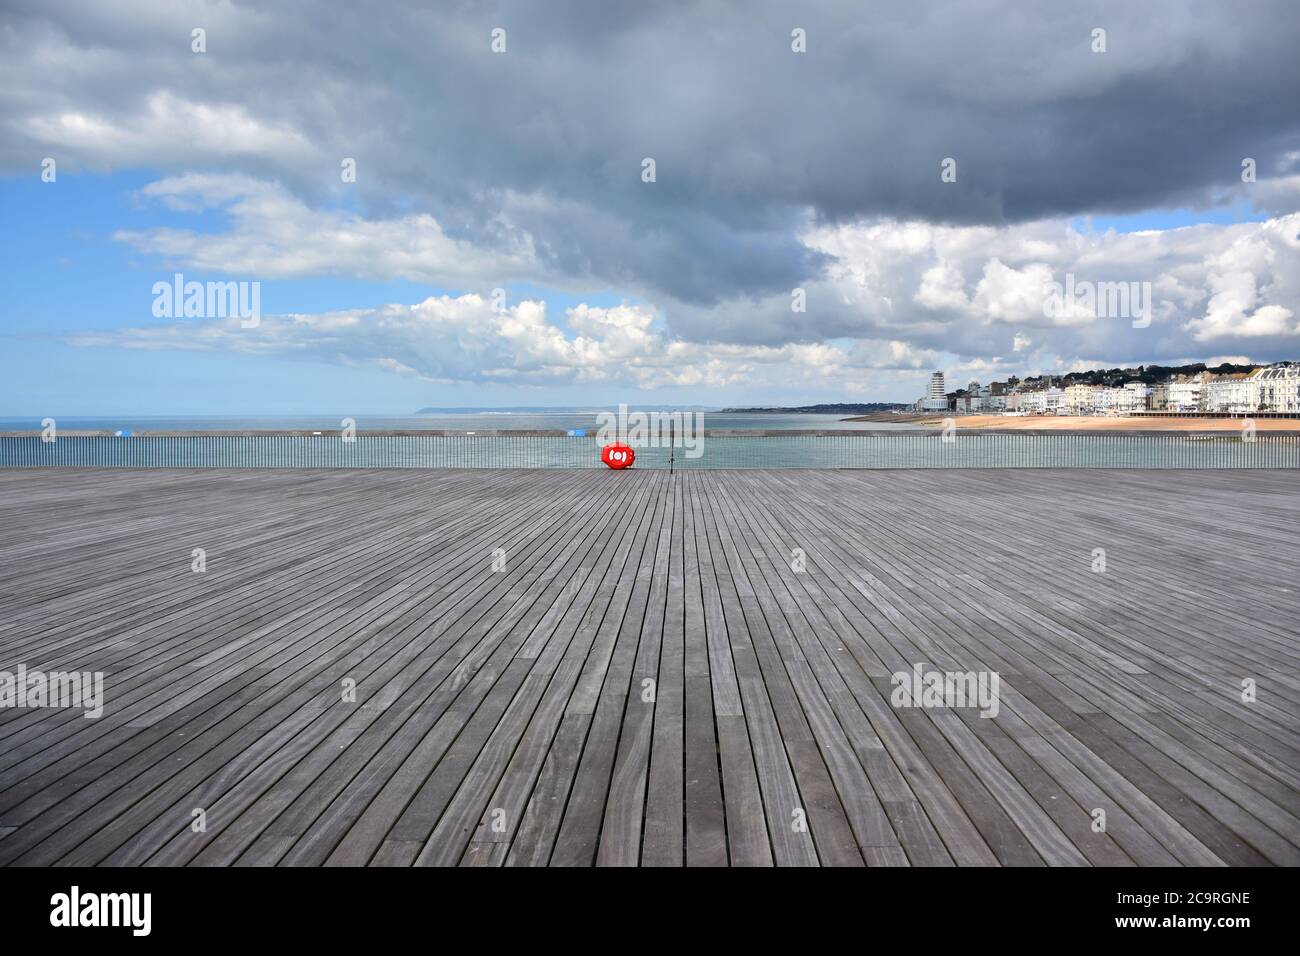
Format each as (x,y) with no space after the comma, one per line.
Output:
(522,691)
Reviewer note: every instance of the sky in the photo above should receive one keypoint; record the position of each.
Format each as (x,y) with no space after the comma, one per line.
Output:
(713,203)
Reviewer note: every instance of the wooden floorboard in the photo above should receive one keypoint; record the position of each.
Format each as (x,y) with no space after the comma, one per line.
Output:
(531,668)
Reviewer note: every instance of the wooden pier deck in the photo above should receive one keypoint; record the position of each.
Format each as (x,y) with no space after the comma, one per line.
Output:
(644,677)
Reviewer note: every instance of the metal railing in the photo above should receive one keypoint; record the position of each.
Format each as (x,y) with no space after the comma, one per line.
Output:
(717,449)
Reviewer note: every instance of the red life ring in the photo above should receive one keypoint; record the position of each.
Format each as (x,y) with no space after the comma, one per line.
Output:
(618,455)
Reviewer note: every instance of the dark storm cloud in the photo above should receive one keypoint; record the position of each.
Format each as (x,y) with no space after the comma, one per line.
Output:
(751,141)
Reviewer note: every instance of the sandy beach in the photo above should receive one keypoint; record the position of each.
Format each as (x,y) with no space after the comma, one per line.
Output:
(1109,424)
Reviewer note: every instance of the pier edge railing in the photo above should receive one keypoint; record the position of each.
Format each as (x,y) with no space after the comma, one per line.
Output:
(772,448)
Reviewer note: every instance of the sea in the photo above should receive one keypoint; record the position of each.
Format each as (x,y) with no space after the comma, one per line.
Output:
(573,442)
(463,421)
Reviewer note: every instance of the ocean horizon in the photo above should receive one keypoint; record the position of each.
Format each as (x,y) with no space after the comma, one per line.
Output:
(487,420)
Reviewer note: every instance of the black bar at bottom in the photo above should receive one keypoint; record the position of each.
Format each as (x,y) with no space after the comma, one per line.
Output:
(927,908)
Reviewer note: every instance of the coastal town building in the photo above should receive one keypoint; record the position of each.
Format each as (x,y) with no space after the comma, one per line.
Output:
(936,396)
(1185,393)
(1043,401)
(1230,393)
(981,399)
(1081,399)
(1033,402)
(937,387)
(1277,389)
(1273,388)
(1133,397)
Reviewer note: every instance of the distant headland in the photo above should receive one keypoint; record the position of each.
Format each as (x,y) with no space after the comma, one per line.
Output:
(552,409)
(862,408)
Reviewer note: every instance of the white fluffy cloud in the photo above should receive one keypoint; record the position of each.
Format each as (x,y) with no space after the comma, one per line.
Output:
(900,296)
(507,161)
(274,235)
(466,339)
(978,292)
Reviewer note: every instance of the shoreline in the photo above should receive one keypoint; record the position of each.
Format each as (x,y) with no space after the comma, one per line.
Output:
(1093,423)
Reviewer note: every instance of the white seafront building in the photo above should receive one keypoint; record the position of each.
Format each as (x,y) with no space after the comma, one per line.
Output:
(936,396)
(1081,399)
(1274,388)
(1277,388)
(1133,397)
(1043,401)
(1185,393)
(1237,393)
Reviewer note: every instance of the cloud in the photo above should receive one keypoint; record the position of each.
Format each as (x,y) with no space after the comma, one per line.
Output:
(167,129)
(775,171)
(274,235)
(465,339)
(977,294)
(1234,311)
(1014,296)
(753,143)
